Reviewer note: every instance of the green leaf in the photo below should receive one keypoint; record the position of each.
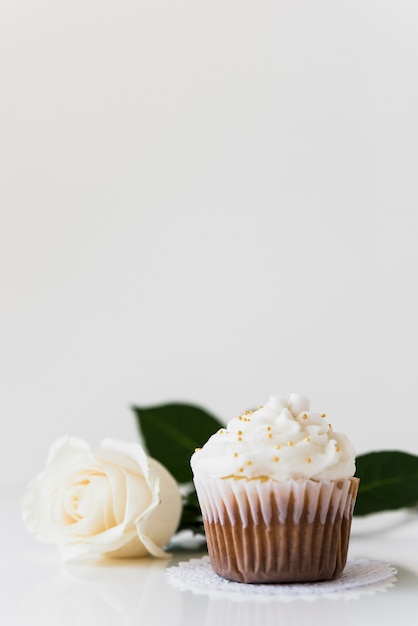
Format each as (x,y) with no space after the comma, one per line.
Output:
(172,432)
(388,481)
(191,518)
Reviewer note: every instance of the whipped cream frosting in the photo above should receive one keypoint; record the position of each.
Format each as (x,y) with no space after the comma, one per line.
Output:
(281,440)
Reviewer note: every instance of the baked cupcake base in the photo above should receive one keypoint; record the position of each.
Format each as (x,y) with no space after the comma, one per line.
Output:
(263,531)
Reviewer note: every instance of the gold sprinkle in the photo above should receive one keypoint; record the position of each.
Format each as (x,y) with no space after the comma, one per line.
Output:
(268,427)
(241,469)
(221,431)
(245,412)
(249,462)
(308,459)
(261,406)
(323,415)
(197,449)
(337,448)
(239,432)
(308,439)
(275,459)
(290,443)
(239,438)
(240,417)
(235,454)
(277,447)
(251,412)
(305,417)
(269,436)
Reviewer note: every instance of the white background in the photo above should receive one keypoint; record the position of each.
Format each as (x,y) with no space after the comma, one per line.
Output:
(208,202)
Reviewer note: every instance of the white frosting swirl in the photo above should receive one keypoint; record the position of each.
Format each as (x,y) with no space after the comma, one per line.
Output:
(281,440)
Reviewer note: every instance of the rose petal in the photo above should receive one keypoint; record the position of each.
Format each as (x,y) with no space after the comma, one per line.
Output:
(139,496)
(117,482)
(65,449)
(123,452)
(154,484)
(159,522)
(108,541)
(139,491)
(89,518)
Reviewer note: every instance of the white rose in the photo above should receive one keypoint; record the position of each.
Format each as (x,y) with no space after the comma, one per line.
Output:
(114,500)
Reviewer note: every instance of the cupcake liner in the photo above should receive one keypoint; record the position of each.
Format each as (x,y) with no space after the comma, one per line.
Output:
(269,531)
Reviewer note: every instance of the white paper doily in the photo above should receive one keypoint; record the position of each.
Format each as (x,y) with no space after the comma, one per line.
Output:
(359,576)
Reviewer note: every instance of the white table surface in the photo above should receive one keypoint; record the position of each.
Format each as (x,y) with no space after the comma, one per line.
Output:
(36,589)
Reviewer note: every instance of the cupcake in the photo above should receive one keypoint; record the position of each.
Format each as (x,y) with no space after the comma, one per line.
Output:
(277,490)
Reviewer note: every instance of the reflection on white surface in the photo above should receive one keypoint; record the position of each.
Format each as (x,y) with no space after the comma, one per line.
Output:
(224,612)
(127,593)
(120,593)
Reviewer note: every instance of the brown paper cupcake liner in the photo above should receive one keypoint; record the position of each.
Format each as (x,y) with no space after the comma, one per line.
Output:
(264,531)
